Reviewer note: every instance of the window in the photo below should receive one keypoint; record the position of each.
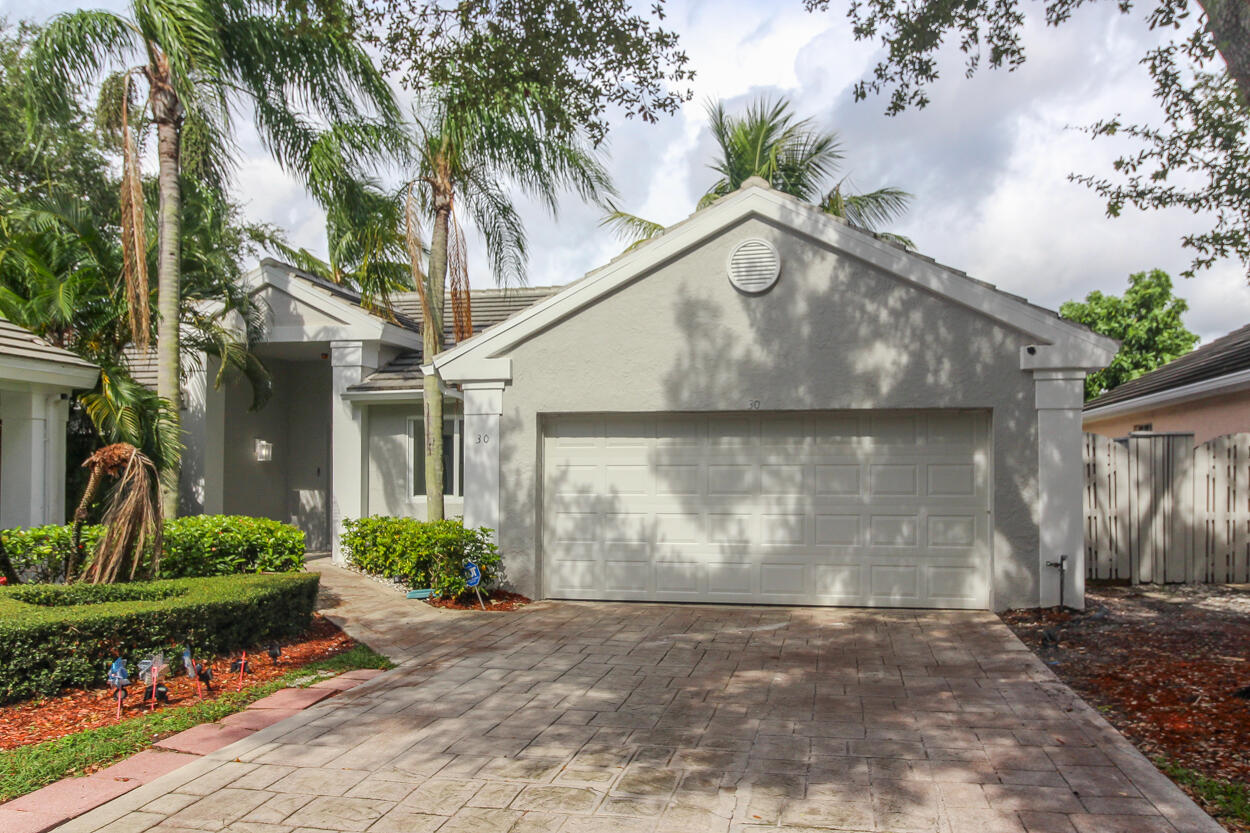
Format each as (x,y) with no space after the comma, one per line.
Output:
(453,457)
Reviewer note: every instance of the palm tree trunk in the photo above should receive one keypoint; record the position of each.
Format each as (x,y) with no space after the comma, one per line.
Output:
(169,283)
(80,517)
(432,343)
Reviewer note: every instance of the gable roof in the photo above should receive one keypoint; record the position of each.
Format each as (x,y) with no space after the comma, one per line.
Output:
(25,357)
(489,307)
(396,314)
(1069,345)
(1193,373)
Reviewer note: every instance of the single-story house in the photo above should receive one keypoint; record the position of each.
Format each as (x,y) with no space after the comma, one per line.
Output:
(36,381)
(762,405)
(1205,393)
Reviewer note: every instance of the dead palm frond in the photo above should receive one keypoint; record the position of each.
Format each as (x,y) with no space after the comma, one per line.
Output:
(132,522)
(458,280)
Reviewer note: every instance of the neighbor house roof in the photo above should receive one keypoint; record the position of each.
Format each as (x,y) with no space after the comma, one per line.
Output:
(488,307)
(1211,368)
(1060,343)
(25,357)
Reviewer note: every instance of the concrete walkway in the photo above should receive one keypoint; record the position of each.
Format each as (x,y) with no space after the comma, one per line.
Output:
(617,717)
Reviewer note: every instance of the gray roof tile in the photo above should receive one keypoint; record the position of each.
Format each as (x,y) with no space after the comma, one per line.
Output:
(488,308)
(22,343)
(1221,357)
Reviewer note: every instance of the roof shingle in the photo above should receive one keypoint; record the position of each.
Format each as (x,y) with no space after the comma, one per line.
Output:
(22,343)
(489,307)
(1221,357)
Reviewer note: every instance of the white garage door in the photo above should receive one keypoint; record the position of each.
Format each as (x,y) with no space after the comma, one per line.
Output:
(837,508)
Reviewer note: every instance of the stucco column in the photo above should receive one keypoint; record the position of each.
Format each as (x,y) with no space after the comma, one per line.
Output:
(351,362)
(24,459)
(483,405)
(55,428)
(204,438)
(1060,518)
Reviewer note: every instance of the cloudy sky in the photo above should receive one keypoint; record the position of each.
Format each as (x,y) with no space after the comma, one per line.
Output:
(987,161)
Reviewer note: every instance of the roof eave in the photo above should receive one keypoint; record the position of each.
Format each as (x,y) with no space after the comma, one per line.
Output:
(1227,383)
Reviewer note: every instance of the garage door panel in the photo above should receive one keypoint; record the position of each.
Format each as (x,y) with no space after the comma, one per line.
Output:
(736,578)
(885,509)
(894,582)
(892,480)
(788,579)
(837,479)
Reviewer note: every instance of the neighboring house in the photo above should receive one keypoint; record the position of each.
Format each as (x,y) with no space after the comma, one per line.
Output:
(341,435)
(36,381)
(1205,393)
(765,405)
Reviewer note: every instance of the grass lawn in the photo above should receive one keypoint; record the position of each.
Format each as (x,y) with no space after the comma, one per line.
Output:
(27,768)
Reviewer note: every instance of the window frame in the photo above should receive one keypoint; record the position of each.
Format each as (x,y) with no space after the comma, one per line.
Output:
(416,435)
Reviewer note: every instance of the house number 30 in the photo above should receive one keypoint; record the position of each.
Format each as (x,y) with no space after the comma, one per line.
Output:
(754,404)
(482,439)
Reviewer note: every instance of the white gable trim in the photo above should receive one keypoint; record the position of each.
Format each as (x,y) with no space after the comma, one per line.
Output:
(356,324)
(1083,348)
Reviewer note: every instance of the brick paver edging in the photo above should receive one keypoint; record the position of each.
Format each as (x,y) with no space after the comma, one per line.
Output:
(187,753)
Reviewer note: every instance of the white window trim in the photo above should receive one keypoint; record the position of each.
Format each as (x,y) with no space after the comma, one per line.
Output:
(417,425)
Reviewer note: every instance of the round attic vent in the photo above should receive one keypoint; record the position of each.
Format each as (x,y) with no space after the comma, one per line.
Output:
(754,266)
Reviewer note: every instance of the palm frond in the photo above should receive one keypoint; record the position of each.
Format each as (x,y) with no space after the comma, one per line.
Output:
(868,211)
(71,51)
(630,228)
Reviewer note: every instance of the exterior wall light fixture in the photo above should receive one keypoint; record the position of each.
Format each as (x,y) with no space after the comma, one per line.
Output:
(264,451)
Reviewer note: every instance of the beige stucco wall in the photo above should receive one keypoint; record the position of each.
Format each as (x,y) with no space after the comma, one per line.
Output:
(1213,416)
(834,333)
(390,455)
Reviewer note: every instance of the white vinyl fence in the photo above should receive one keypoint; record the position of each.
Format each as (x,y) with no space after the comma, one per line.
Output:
(1157,509)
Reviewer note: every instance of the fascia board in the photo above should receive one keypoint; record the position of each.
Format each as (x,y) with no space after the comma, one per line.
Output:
(396,395)
(474,369)
(1228,383)
(805,220)
(45,372)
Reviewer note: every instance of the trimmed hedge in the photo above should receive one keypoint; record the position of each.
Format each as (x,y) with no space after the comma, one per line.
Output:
(196,545)
(55,636)
(220,545)
(422,553)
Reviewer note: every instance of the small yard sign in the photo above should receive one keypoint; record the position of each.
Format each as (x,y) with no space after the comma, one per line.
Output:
(473,577)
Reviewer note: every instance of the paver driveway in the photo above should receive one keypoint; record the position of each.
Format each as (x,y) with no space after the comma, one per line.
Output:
(622,717)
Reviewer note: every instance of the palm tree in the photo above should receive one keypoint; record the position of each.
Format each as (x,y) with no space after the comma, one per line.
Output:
(793,156)
(182,67)
(466,156)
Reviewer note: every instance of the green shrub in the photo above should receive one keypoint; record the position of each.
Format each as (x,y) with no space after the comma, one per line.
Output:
(39,553)
(422,553)
(197,545)
(219,545)
(52,644)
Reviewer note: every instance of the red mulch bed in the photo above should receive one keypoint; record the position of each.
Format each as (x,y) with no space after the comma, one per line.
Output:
(34,721)
(1162,666)
(495,600)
